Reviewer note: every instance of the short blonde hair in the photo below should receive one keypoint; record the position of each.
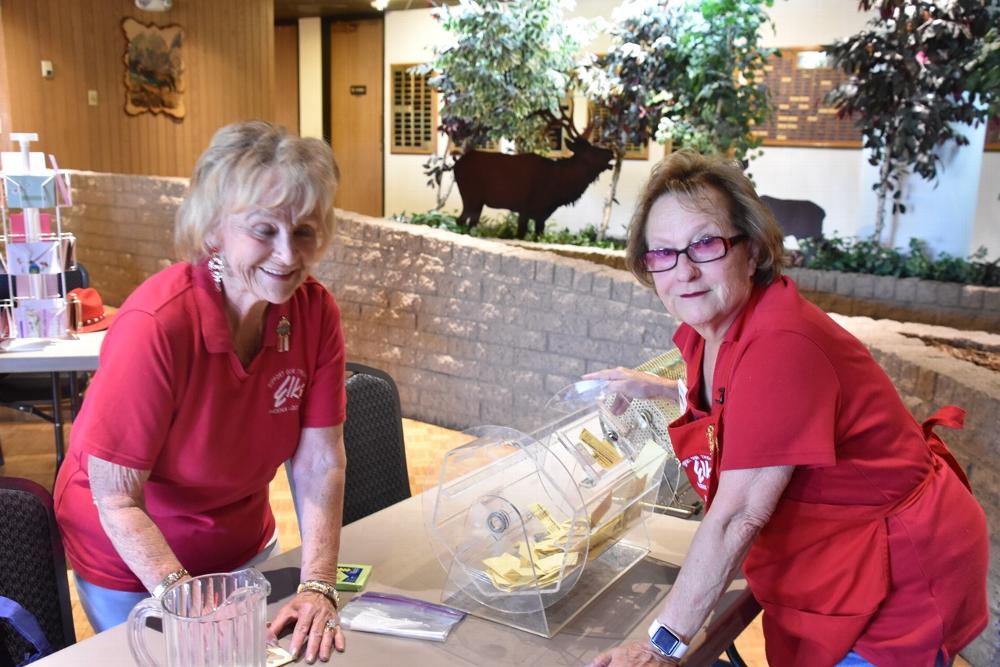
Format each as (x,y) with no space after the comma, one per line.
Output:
(243,164)
(696,176)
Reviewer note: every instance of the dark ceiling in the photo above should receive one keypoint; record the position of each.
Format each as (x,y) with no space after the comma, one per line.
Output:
(293,9)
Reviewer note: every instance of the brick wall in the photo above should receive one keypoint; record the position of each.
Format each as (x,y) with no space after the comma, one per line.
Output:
(124,228)
(478,332)
(970,307)
(905,299)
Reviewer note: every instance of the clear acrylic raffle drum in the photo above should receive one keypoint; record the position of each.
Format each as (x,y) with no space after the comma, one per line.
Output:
(530,528)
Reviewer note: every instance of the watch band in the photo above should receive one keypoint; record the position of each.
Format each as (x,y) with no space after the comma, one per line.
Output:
(169,581)
(666,641)
(324,588)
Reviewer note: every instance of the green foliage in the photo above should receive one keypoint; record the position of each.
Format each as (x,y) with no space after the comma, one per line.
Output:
(689,70)
(506,228)
(716,93)
(507,68)
(919,67)
(854,255)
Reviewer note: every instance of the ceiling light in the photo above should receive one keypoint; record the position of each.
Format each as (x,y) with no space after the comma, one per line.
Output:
(380,5)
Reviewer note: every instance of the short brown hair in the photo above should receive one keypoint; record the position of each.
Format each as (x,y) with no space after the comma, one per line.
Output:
(239,165)
(688,173)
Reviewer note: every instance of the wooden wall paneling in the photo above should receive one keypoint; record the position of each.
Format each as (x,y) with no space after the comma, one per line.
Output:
(286,76)
(85,30)
(19,22)
(265,77)
(228,55)
(5,143)
(82,67)
(252,82)
(107,143)
(222,71)
(199,104)
(56,100)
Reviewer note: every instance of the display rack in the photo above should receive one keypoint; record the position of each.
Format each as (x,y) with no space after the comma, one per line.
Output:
(37,253)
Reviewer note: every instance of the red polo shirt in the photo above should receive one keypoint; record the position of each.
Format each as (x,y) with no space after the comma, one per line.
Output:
(172,397)
(794,388)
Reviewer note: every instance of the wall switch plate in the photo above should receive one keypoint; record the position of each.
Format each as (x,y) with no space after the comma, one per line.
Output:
(47,71)
(92,98)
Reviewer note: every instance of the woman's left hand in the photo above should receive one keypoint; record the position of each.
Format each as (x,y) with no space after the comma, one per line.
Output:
(633,654)
(317,626)
(635,384)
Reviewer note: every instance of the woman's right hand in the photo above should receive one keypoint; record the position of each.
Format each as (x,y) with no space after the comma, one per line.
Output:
(636,384)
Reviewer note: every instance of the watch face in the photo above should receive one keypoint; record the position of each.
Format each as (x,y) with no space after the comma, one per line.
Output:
(665,641)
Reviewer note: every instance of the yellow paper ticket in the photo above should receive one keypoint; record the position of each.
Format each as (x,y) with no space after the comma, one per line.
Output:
(604,452)
(543,515)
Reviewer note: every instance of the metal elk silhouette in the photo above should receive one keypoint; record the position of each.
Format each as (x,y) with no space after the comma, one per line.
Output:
(530,185)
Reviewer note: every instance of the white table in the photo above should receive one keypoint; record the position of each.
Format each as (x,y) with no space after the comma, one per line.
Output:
(54,356)
(393,541)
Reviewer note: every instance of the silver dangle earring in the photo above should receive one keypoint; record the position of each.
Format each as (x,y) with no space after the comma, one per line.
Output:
(215,267)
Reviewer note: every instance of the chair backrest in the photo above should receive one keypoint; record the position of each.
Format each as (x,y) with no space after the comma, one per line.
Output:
(373,440)
(800,218)
(32,566)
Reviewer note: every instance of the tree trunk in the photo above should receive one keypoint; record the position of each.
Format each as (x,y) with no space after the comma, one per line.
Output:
(441,196)
(883,191)
(602,230)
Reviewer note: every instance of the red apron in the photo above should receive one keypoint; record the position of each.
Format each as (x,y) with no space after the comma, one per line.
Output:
(819,571)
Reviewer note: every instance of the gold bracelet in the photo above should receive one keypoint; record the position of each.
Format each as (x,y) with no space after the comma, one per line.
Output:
(324,588)
(169,581)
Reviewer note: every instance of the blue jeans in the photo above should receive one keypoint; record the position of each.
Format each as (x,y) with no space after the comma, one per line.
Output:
(106,607)
(852,659)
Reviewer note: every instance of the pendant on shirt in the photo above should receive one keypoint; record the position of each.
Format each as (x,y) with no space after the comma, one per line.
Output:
(713,443)
(284,330)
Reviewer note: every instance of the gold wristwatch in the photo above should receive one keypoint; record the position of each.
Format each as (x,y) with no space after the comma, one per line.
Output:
(324,588)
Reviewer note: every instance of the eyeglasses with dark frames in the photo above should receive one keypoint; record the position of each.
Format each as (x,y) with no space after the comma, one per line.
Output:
(707,249)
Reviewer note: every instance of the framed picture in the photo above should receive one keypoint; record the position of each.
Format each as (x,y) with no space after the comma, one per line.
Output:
(154,69)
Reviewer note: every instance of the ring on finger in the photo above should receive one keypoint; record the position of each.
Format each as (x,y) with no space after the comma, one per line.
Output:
(332,625)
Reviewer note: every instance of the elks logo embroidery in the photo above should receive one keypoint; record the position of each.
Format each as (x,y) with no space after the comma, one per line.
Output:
(701,464)
(288,385)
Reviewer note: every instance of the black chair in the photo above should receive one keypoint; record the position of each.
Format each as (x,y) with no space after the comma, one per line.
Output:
(373,440)
(31,392)
(32,567)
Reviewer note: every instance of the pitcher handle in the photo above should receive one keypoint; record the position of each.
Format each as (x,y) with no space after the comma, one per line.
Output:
(136,624)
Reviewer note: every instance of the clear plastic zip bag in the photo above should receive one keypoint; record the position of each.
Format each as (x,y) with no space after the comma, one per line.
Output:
(398,615)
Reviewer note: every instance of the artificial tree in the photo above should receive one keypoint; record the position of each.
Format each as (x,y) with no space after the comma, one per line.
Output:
(503,76)
(691,70)
(717,96)
(920,68)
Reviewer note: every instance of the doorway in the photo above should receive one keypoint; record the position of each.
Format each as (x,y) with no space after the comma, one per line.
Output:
(356,134)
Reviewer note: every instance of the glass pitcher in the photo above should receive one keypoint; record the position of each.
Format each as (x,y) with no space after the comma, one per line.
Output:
(215,620)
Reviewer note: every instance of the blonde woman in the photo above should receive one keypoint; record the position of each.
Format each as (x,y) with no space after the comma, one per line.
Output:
(216,371)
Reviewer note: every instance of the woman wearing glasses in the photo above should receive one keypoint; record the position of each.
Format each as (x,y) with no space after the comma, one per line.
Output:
(855,527)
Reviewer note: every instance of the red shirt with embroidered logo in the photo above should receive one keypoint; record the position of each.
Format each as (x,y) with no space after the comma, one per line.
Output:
(172,397)
(873,527)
